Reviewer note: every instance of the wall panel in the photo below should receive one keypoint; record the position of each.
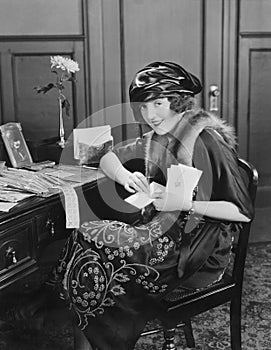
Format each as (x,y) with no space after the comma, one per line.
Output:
(255,16)
(254,126)
(41,17)
(161,30)
(26,65)
(253,94)
(113,39)
(155,30)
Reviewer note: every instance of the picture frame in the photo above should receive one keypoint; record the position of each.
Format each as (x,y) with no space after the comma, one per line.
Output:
(15,144)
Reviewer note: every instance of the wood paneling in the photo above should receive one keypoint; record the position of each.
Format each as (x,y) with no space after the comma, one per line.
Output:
(212,59)
(255,16)
(253,108)
(25,65)
(161,30)
(112,40)
(156,30)
(228,61)
(41,17)
(124,35)
(254,126)
(95,55)
(259,112)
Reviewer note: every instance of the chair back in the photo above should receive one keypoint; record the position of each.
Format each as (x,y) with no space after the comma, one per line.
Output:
(250,176)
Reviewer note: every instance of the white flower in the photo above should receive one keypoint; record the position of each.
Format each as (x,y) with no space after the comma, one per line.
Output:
(71,65)
(57,61)
(64,63)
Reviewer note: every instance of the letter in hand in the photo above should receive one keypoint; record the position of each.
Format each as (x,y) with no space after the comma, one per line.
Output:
(169,201)
(137,182)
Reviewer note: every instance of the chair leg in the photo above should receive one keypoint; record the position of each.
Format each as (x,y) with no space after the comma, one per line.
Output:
(235,323)
(188,333)
(169,335)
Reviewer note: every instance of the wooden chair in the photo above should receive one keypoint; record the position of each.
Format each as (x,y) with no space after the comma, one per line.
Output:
(182,306)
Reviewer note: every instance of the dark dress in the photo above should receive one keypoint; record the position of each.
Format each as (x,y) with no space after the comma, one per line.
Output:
(114,274)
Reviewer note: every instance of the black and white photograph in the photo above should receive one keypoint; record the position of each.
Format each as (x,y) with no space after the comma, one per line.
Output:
(135,174)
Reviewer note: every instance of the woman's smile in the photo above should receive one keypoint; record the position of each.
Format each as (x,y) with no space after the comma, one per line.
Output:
(156,123)
(159,116)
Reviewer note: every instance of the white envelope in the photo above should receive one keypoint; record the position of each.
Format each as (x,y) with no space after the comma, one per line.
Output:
(93,136)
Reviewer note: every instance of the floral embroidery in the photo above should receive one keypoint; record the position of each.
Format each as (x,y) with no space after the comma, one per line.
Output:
(162,250)
(93,284)
(118,234)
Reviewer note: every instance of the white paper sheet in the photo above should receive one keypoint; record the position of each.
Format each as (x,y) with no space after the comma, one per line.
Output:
(182,178)
(142,199)
(4,206)
(94,136)
(71,207)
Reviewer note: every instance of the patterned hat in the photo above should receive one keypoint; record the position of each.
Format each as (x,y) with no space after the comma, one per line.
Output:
(162,79)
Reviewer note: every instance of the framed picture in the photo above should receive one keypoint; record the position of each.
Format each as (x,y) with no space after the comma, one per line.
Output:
(15,144)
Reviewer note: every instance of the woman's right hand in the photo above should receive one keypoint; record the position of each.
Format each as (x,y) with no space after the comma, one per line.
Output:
(137,182)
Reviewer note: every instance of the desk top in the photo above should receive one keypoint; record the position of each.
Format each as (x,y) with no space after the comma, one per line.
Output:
(88,181)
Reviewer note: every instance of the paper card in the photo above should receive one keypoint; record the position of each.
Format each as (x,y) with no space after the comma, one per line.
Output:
(139,200)
(94,136)
(156,187)
(142,199)
(182,178)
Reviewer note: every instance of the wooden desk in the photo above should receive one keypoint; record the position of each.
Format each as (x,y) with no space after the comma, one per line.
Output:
(33,233)
(29,230)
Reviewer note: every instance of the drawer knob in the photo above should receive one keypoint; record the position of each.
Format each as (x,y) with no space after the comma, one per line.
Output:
(11,256)
(51,225)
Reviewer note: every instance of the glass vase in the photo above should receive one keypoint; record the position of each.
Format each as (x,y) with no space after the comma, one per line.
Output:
(61,141)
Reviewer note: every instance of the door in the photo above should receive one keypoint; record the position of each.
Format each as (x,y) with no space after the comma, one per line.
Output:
(254,86)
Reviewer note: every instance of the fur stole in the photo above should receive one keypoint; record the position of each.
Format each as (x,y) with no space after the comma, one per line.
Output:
(162,151)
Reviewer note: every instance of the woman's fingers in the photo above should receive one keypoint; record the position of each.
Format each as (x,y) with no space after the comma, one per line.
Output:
(160,200)
(158,204)
(142,182)
(128,188)
(133,184)
(139,182)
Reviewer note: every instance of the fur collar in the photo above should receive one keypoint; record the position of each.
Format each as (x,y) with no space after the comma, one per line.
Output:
(180,148)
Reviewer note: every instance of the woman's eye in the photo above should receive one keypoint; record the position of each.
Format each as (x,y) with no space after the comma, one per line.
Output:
(143,106)
(158,103)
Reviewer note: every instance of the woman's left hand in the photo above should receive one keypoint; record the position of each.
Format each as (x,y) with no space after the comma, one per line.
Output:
(168,201)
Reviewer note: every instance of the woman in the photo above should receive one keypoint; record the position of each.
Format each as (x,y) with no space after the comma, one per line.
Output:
(114,274)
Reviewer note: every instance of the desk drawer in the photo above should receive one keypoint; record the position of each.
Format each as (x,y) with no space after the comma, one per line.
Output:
(51,225)
(17,253)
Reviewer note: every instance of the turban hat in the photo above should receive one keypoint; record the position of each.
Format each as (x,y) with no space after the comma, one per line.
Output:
(162,79)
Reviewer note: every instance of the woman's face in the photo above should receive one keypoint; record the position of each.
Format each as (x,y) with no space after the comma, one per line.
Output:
(159,116)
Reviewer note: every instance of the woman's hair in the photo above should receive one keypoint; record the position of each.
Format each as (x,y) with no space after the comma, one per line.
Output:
(181,103)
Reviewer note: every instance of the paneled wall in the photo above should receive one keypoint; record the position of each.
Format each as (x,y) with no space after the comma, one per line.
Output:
(29,36)
(111,40)
(124,35)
